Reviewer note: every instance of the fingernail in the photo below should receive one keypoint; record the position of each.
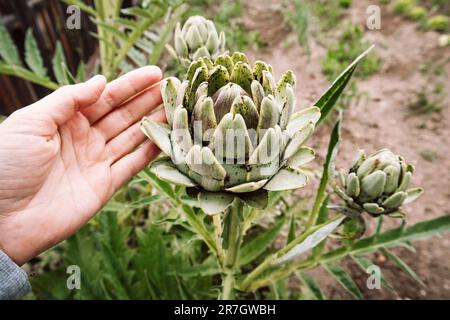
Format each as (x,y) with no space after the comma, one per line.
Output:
(95,78)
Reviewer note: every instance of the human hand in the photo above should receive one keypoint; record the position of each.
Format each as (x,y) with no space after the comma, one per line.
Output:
(63,157)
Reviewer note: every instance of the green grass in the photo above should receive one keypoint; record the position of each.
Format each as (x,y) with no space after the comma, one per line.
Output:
(329,13)
(297,15)
(428,99)
(421,11)
(350,44)
(404,6)
(345,3)
(416,13)
(429,155)
(438,23)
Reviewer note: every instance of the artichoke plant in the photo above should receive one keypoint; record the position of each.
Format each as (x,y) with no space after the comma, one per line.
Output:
(232,132)
(196,39)
(378,184)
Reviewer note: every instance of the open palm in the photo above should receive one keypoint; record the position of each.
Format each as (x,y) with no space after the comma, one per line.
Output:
(62,158)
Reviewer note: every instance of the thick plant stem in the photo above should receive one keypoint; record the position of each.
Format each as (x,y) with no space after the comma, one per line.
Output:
(233,244)
(228,285)
(218,236)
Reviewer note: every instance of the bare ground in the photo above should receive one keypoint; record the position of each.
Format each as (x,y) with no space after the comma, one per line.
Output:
(385,121)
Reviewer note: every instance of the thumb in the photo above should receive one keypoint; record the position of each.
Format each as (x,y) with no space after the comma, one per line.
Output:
(62,104)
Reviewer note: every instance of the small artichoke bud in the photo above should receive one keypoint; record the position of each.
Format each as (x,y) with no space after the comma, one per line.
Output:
(373,208)
(406,180)
(367,167)
(392,177)
(395,200)
(196,39)
(378,184)
(352,187)
(373,184)
(358,159)
(342,179)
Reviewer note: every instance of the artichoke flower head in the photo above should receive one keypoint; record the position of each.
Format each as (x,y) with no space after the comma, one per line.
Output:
(197,38)
(378,184)
(232,132)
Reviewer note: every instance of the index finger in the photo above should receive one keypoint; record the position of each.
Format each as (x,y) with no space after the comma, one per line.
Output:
(122,89)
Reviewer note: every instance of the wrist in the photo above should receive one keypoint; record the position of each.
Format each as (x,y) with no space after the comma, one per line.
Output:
(13,244)
(16,255)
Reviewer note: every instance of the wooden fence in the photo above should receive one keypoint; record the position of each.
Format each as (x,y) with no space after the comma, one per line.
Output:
(47,19)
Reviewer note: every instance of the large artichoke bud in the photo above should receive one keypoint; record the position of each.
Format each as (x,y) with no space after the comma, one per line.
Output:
(198,38)
(378,184)
(232,132)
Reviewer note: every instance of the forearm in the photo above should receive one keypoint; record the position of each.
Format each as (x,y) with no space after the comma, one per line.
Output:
(13,280)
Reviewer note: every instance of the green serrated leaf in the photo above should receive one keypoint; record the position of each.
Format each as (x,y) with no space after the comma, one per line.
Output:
(137,57)
(365,263)
(81,72)
(137,12)
(125,67)
(402,265)
(128,23)
(33,56)
(59,61)
(255,247)
(311,284)
(165,33)
(207,268)
(328,100)
(26,74)
(81,250)
(147,18)
(162,186)
(390,238)
(8,50)
(343,279)
(151,261)
(112,29)
(70,78)
(393,237)
(145,201)
(116,206)
(112,239)
(197,223)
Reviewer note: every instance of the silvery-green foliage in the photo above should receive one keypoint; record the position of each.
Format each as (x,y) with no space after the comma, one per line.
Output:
(378,184)
(232,131)
(196,39)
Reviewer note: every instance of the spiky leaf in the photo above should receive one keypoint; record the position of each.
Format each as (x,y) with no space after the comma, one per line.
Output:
(328,100)
(8,50)
(33,56)
(343,278)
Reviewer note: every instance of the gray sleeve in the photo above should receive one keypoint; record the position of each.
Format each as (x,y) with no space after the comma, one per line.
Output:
(13,280)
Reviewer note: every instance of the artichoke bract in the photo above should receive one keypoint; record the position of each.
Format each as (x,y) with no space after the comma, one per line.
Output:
(378,184)
(196,39)
(232,132)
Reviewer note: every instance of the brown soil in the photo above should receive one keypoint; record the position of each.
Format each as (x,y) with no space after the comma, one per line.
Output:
(385,121)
